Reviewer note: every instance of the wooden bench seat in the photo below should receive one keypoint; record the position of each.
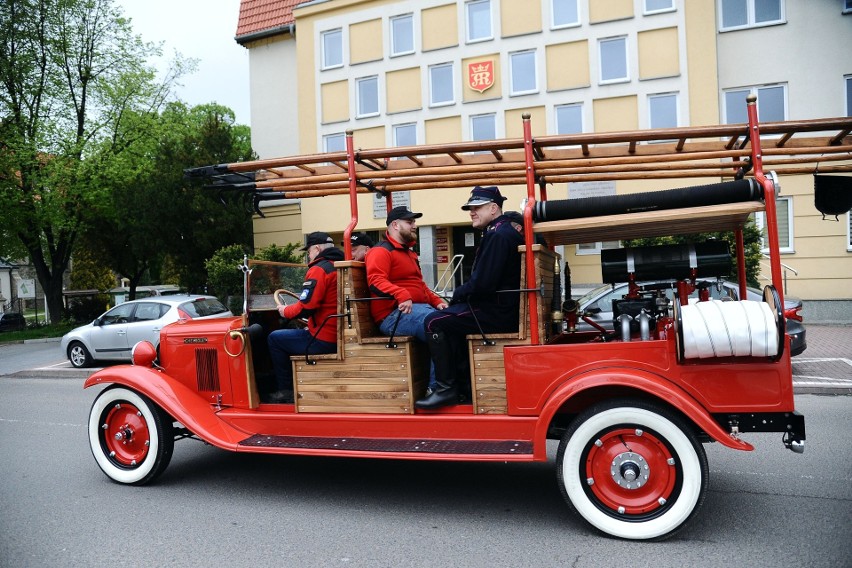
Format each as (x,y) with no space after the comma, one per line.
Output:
(487,368)
(365,375)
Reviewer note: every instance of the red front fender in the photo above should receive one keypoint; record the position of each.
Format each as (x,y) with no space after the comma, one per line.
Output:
(643,381)
(185,406)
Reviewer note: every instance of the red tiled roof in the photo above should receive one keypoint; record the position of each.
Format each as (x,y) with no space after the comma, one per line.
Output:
(261,15)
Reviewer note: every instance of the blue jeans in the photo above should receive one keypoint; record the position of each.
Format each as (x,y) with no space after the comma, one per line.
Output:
(286,342)
(410,324)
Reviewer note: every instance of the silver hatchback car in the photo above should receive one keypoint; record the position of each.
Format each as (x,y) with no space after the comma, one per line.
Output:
(111,337)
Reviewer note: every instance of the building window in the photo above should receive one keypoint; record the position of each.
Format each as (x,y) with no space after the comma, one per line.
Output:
(613,60)
(441,85)
(784,211)
(564,13)
(847,7)
(483,127)
(367,94)
(771,104)
(849,231)
(654,6)
(478,14)
(569,119)
(402,35)
(334,143)
(332,49)
(523,78)
(738,14)
(405,134)
(848,81)
(596,248)
(662,110)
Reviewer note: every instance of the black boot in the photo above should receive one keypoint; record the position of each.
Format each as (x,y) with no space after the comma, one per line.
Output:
(446,391)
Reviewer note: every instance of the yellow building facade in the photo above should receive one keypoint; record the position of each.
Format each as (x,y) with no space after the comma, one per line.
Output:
(402,72)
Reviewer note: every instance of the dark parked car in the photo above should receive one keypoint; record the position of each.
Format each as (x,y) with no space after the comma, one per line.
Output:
(12,321)
(597,306)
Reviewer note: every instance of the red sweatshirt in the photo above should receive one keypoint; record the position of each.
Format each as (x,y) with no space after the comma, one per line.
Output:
(319,296)
(393,270)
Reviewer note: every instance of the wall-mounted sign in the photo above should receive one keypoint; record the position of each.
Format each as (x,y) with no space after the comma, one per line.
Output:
(443,259)
(480,75)
(380,207)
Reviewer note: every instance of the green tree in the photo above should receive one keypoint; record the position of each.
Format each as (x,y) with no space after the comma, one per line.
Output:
(154,214)
(73,80)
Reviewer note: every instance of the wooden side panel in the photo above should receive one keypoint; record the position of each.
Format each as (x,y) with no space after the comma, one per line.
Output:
(545,276)
(352,286)
(371,378)
(488,372)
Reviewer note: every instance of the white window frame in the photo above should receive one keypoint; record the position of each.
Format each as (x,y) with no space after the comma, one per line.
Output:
(324,47)
(849,231)
(452,100)
(760,221)
(595,248)
(557,108)
(659,96)
(611,40)
(477,117)
(754,90)
(359,97)
(750,16)
(648,11)
(567,24)
(329,138)
(517,57)
(392,43)
(405,125)
(467,21)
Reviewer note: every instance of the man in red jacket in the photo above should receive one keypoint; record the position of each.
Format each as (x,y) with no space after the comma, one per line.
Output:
(393,272)
(317,301)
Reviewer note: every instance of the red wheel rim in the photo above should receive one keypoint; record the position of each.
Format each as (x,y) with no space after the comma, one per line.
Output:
(630,471)
(125,434)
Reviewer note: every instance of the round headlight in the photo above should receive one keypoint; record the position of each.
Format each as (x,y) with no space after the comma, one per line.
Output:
(143,354)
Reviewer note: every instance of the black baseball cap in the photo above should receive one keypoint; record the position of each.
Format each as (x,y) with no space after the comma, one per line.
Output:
(317,238)
(401,212)
(361,239)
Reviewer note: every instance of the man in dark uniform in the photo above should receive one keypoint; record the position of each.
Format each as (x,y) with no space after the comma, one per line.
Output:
(478,305)
(316,302)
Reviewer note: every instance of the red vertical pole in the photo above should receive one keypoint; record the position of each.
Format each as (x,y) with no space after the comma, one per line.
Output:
(768,197)
(528,230)
(353,196)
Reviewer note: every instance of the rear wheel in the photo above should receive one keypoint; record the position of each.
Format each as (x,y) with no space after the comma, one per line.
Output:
(632,469)
(79,355)
(131,437)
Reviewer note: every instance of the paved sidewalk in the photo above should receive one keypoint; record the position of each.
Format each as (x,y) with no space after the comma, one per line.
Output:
(826,365)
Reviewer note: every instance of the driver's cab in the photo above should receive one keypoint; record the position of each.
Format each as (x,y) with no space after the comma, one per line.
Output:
(369,372)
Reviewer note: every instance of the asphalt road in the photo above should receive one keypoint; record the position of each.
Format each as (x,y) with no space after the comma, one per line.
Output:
(214,508)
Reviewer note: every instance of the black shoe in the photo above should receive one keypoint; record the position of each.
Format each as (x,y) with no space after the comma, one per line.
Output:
(280,397)
(441,397)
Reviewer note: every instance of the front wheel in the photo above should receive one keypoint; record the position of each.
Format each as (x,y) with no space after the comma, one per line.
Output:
(632,469)
(130,437)
(79,355)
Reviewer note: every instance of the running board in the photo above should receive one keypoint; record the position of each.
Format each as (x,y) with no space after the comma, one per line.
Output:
(393,445)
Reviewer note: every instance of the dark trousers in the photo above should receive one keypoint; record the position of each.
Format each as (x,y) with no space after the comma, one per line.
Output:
(449,354)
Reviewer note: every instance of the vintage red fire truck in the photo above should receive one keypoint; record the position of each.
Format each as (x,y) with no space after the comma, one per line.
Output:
(631,409)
